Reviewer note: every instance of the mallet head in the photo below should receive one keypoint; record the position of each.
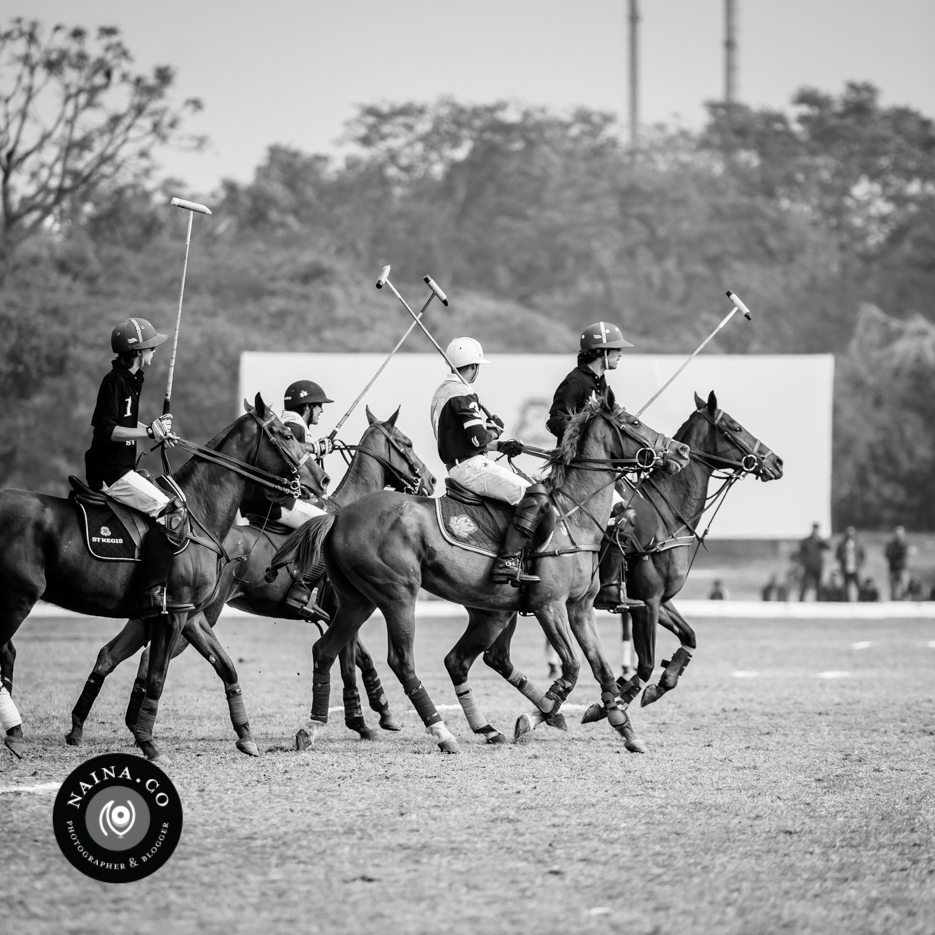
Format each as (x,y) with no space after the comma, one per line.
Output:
(189,206)
(434,287)
(384,275)
(739,305)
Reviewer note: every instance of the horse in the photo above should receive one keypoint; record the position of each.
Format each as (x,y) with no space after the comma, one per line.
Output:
(42,555)
(383,457)
(668,511)
(382,549)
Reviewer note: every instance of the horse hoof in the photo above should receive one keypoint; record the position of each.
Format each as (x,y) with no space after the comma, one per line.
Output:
(449,746)
(16,746)
(73,738)
(651,693)
(594,713)
(161,760)
(523,727)
(495,738)
(388,722)
(303,739)
(367,733)
(557,721)
(635,745)
(248,747)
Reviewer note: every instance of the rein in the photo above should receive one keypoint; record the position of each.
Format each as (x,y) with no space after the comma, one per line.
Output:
(288,486)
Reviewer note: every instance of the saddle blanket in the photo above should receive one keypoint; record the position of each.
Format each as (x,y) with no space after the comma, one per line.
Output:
(114,534)
(475,527)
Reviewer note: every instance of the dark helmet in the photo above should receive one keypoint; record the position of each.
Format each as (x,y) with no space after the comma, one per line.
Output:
(602,335)
(135,334)
(303,393)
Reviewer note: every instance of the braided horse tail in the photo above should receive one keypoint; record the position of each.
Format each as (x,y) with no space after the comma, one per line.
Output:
(302,549)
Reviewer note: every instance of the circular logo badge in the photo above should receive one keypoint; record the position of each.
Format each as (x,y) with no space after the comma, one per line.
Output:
(117,818)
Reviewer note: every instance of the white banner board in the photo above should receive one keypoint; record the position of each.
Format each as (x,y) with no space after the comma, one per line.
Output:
(784,400)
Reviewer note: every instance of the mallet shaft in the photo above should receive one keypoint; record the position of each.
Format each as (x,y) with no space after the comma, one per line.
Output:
(333,433)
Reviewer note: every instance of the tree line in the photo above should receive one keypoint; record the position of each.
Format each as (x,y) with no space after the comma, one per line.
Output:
(822,215)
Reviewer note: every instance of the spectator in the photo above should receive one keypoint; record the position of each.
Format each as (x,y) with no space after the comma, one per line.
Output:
(868,590)
(850,556)
(914,589)
(718,591)
(769,591)
(897,553)
(811,558)
(834,589)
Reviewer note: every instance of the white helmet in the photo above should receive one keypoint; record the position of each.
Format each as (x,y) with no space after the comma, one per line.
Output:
(462,352)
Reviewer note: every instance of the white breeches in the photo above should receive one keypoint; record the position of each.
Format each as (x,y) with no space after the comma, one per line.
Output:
(133,490)
(489,479)
(300,514)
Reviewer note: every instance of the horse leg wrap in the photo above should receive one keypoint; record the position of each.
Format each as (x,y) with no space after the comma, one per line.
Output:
(421,702)
(321,694)
(9,714)
(526,688)
(92,688)
(555,697)
(146,719)
(235,705)
(374,688)
(629,689)
(617,717)
(133,705)
(478,723)
(7,683)
(352,707)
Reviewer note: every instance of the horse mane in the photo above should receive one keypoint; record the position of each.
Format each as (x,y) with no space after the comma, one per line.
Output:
(562,456)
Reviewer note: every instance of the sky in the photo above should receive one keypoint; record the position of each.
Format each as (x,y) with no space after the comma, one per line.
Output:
(292,72)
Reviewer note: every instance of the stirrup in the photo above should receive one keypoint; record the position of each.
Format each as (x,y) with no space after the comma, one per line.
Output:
(153,602)
(306,604)
(508,569)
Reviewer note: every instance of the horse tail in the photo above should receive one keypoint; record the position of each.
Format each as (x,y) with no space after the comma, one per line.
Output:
(302,548)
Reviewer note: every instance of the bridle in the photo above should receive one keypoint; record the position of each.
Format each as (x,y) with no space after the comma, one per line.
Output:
(411,482)
(286,486)
(753,457)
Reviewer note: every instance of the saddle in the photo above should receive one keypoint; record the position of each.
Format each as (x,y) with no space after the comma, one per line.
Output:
(477,524)
(112,532)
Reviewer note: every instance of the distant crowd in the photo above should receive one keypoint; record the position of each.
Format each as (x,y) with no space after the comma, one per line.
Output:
(810,578)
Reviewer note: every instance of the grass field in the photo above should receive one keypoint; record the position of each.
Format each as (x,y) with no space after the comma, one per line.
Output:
(788,788)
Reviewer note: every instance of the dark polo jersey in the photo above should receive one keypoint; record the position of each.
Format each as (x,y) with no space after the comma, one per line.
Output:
(118,403)
(572,393)
(459,424)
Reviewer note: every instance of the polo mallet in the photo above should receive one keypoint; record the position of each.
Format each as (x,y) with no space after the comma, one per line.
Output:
(193,208)
(738,306)
(384,280)
(435,292)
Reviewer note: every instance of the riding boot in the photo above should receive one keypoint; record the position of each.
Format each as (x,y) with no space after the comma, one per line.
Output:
(532,509)
(613,570)
(508,568)
(156,557)
(613,593)
(159,548)
(303,595)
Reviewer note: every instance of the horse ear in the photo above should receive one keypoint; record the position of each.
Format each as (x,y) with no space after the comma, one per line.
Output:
(247,407)
(712,402)
(371,418)
(699,402)
(391,421)
(605,399)
(260,405)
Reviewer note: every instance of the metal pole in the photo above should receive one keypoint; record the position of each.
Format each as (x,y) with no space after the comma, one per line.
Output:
(633,37)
